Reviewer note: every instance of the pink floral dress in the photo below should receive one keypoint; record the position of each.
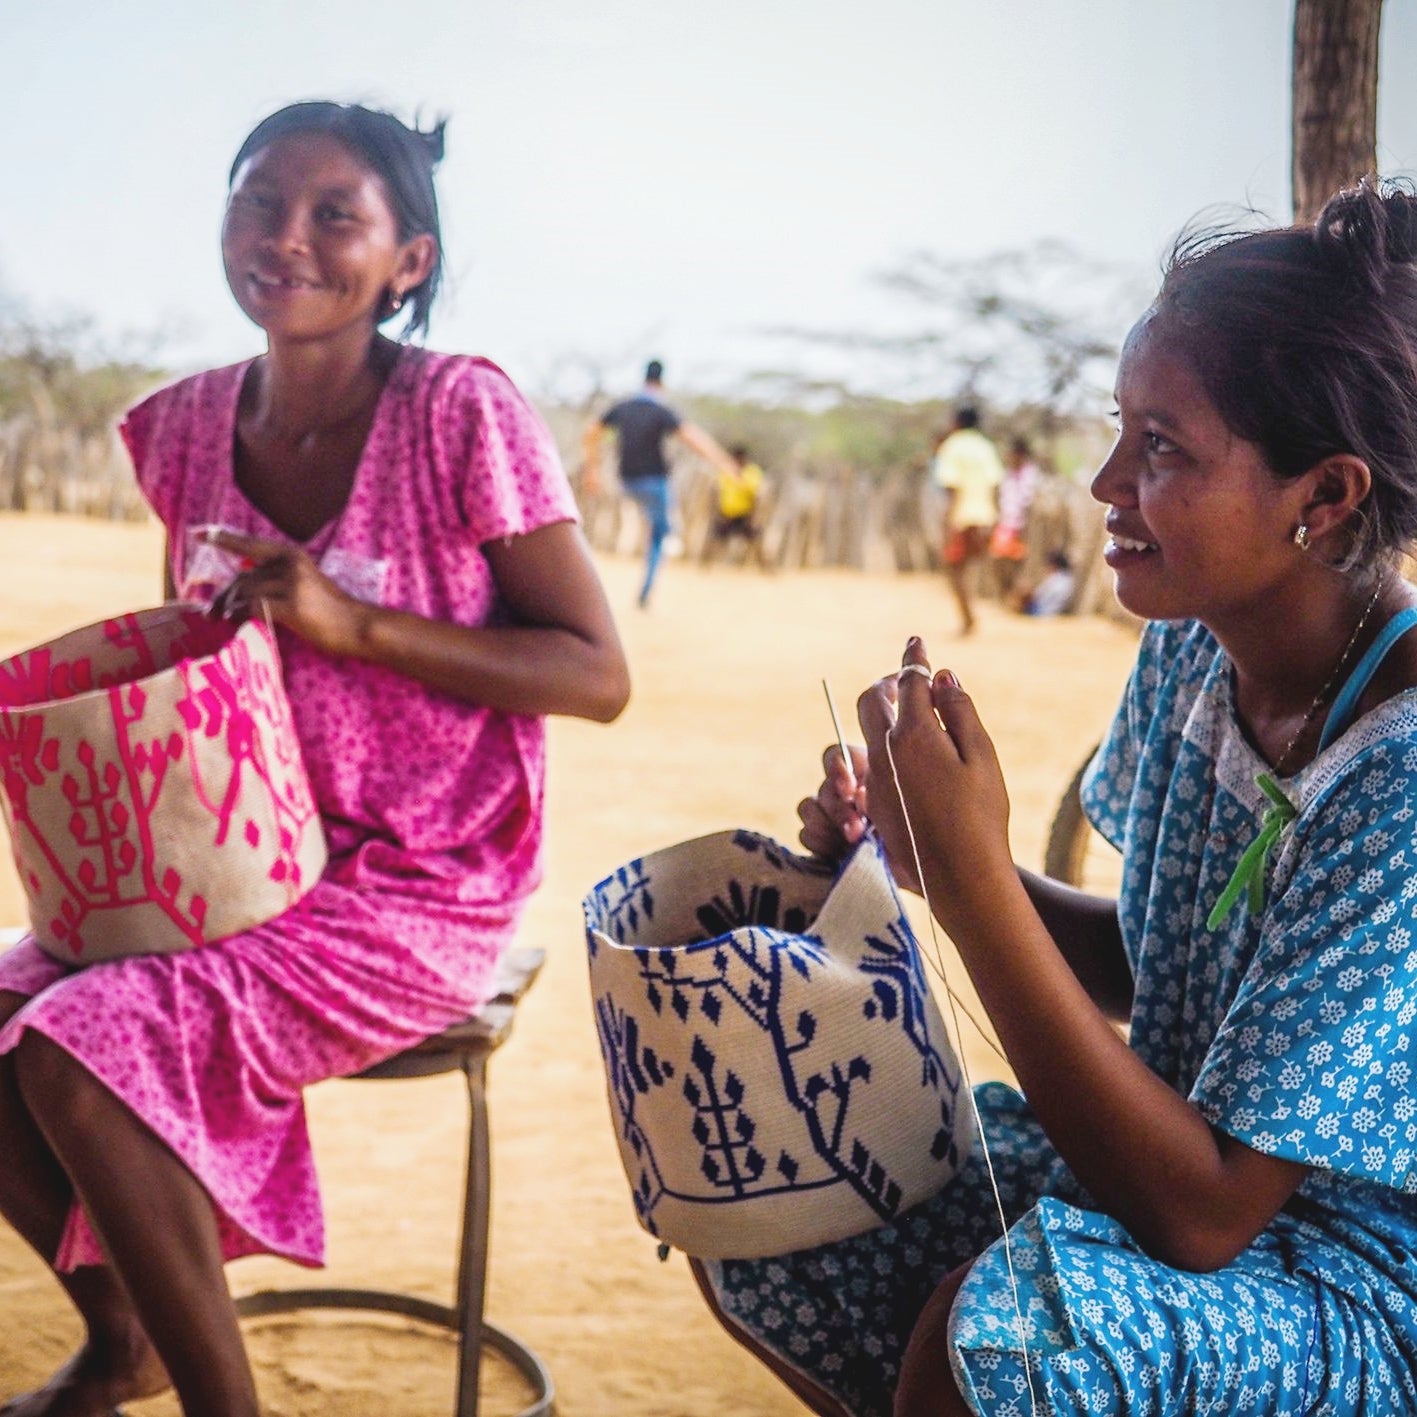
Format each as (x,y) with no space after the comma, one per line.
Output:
(432,807)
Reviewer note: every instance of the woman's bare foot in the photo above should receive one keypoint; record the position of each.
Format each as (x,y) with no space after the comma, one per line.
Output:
(102,1374)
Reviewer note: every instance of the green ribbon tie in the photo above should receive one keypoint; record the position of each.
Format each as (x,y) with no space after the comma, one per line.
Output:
(1250,873)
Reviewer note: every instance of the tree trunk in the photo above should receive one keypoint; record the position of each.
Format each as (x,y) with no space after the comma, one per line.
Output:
(1335,98)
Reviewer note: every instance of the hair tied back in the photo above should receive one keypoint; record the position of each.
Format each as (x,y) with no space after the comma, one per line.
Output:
(432,140)
(1368,228)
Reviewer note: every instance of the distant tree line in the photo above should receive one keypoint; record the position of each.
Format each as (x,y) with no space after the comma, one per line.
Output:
(60,396)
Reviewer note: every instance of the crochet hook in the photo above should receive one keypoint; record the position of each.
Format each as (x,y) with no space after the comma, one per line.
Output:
(840,736)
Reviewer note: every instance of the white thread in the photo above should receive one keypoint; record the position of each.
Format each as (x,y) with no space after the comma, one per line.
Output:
(954,1003)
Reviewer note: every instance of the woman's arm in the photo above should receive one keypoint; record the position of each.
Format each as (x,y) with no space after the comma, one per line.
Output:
(1084,927)
(705,446)
(1087,934)
(1190,1195)
(561,653)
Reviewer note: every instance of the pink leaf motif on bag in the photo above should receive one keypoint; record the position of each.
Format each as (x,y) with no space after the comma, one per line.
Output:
(239,693)
(24,680)
(26,756)
(100,822)
(126,633)
(35,678)
(128,702)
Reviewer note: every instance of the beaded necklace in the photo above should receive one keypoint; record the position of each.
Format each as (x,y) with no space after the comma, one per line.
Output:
(1282,761)
(1249,875)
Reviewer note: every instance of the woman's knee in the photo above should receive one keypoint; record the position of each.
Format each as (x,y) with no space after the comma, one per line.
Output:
(10,1005)
(49,1079)
(927,1386)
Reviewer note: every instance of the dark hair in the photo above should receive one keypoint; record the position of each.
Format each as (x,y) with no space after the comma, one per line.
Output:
(654,372)
(1305,339)
(1020,447)
(967,417)
(403,159)
(739,452)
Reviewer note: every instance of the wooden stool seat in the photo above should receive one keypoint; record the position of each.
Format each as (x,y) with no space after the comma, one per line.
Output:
(464,1047)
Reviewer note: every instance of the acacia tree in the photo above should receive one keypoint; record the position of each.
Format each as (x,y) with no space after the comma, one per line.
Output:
(1335,131)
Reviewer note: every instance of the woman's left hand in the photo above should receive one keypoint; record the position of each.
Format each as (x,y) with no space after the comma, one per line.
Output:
(949,778)
(284,582)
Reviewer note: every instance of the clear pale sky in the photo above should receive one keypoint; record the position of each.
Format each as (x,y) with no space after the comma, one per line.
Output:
(627,178)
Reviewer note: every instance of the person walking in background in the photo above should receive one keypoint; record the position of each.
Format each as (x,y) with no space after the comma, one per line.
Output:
(968,471)
(739,491)
(643,423)
(1008,545)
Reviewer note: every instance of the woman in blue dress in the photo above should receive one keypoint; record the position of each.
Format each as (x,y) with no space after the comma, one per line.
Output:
(1218,1214)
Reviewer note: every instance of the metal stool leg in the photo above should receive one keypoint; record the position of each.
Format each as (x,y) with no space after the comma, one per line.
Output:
(475,1331)
(472,1261)
(465,1318)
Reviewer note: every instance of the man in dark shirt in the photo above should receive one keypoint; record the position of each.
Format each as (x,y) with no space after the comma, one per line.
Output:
(643,423)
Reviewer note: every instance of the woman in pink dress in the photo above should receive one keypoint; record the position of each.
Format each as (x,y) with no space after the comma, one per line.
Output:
(403,518)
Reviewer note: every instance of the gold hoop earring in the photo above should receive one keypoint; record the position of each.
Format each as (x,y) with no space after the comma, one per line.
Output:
(1301,537)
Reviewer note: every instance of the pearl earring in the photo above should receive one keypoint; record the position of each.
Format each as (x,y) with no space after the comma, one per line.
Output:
(1301,537)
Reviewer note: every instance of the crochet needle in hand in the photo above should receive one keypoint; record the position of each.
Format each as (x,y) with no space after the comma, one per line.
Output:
(850,789)
(840,736)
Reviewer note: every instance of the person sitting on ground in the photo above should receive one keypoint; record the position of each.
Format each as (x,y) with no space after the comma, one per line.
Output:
(736,517)
(1216,1212)
(406,525)
(1053,595)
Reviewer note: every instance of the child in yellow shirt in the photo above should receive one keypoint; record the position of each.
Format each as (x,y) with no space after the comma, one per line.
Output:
(739,489)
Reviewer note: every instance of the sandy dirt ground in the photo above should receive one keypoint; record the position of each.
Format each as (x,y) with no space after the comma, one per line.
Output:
(726,729)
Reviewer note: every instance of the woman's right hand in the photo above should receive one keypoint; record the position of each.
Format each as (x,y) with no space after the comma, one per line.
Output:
(834,820)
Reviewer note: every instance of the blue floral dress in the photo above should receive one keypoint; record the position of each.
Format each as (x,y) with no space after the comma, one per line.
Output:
(1290,1029)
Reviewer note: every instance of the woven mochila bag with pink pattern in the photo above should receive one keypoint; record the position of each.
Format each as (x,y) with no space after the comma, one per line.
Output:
(153,785)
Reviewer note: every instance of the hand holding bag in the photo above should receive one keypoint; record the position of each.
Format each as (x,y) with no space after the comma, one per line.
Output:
(153,785)
(779,1073)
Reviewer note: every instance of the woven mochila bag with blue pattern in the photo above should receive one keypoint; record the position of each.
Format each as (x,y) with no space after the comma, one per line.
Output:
(779,1073)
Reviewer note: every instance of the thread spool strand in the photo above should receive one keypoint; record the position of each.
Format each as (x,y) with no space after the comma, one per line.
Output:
(955,1004)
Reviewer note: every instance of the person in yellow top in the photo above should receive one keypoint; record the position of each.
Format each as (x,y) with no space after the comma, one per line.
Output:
(968,470)
(740,485)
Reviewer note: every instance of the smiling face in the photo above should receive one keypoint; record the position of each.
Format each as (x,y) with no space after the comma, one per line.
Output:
(1199,525)
(310,243)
